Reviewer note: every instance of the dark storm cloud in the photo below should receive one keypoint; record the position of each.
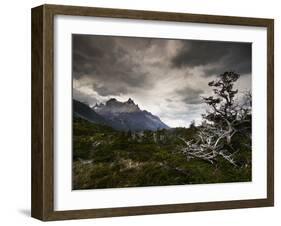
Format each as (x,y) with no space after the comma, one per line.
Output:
(104,91)
(103,60)
(190,95)
(84,97)
(219,56)
(166,77)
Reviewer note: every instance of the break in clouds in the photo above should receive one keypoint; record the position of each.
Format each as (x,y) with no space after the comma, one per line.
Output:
(163,76)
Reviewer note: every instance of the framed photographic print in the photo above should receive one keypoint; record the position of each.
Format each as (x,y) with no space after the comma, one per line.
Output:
(141,112)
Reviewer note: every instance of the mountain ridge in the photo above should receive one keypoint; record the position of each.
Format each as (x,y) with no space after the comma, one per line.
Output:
(123,116)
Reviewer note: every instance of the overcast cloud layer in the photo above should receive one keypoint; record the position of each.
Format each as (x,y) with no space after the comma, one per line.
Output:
(166,77)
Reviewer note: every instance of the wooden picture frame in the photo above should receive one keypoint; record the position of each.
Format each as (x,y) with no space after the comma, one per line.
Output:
(43,107)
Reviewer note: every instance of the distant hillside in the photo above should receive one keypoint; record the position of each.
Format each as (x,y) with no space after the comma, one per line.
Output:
(83,111)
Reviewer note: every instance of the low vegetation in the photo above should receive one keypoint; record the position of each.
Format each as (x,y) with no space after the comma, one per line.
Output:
(104,158)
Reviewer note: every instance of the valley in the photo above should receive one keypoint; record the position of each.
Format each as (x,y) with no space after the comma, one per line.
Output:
(107,158)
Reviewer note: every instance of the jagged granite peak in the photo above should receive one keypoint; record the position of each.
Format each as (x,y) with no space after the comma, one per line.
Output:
(128,116)
(130,101)
(123,116)
(112,101)
(113,106)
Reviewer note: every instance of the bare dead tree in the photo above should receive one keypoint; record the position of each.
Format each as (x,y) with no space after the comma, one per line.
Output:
(208,146)
(223,120)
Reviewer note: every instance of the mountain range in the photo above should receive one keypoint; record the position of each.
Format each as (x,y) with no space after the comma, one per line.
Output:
(122,116)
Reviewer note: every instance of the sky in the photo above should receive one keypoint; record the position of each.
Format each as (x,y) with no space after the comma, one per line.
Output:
(166,77)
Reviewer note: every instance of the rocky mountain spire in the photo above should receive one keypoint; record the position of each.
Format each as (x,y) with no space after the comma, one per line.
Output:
(127,116)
